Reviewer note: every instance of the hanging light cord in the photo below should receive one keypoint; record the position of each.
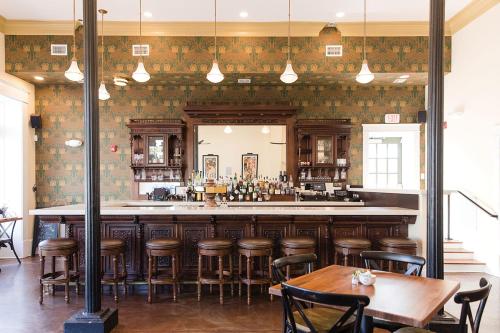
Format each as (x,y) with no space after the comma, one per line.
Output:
(140,29)
(74,30)
(364,32)
(102,44)
(215,29)
(289,29)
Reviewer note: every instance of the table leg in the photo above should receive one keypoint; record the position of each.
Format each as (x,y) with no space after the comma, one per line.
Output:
(367,324)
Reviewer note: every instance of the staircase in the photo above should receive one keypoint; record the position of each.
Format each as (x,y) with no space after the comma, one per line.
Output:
(458,259)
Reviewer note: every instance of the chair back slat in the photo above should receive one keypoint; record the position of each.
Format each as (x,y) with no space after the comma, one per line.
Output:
(414,264)
(466,298)
(307,260)
(294,298)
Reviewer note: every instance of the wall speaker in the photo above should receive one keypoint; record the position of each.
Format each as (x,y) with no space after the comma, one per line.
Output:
(422,117)
(36,121)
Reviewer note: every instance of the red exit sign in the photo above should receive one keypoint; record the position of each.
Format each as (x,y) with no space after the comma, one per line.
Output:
(392,118)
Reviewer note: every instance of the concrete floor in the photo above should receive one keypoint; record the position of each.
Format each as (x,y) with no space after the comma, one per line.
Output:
(20,311)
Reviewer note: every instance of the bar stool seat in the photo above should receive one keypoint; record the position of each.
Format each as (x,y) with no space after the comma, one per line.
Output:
(220,248)
(163,247)
(398,242)
(251,248)
(350,247)
(298,242)
(114,248)
(59,247)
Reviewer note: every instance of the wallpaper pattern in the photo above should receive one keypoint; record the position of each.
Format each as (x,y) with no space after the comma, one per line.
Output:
(60,169)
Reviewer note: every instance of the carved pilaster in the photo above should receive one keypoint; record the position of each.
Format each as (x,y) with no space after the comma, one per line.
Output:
(253,226)
(213,233)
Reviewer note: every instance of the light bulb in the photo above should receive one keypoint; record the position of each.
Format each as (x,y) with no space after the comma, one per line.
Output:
(120,81)
(365,75)
(103,93)
(265,130)
(215,75)
(140,74)
(73,73)
(228,130)
(289,76)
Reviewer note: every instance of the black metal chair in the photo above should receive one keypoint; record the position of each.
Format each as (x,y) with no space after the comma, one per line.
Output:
(278,265)
(465,298)
(6,236)
(414,264)
(376,259)
(321,318)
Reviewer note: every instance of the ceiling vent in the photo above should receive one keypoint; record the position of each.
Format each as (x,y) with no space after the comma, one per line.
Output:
(333,51)
(140,50)
(244,81)
(59,49)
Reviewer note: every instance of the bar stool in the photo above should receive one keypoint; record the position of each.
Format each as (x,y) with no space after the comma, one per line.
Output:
(350,247)
(163,247)
(114,248)
(215,247)
(251,248)
(59,247)
(297,245)
(398,245)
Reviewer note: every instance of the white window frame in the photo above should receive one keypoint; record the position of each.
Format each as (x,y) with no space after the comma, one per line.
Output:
(410,139)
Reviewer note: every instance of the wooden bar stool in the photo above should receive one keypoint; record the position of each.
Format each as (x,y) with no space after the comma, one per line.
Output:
(297,245)
(398,245)
(220,248)
(163,247)
(59,247)
(350,247)
(250,248)
(114,248)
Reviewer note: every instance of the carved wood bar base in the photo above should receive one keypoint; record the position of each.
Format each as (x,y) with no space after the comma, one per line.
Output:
(137,230)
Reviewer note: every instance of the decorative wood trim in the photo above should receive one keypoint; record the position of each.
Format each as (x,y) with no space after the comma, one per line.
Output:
(2,23)
(472,11)
(249,114)
(123,28)
(385,29)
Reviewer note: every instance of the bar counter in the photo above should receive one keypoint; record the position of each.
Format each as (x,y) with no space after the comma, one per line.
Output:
(136,222)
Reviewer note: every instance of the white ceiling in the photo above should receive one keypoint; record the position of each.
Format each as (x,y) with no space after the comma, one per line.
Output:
(228,10)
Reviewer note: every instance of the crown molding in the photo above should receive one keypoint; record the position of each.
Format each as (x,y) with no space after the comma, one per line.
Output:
(386,29)
(472,11)
(123,28)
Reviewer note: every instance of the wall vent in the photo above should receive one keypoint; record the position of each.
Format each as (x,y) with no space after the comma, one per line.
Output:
(244,81)
(140,50)
(59,49)
(333,51)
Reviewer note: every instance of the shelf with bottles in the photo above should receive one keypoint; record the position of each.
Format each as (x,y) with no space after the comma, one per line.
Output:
(158,175)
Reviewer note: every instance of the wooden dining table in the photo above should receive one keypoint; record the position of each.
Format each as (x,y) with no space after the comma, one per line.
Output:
(409,300)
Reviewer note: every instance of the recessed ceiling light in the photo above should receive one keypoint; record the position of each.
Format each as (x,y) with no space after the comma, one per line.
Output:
(340,14)
(405,76)
(148,14)
(243,14)
(38,78)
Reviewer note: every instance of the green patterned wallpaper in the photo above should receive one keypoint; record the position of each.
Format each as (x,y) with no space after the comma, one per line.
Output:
(60,169)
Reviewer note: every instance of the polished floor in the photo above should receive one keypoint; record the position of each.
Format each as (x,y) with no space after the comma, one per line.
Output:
(20,311)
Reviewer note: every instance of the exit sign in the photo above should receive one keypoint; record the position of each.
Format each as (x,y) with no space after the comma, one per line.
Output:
(392,118)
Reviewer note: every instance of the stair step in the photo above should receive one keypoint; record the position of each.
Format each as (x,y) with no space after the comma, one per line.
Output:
(453,244)
(457,250)
(464,266)
(463,262)
(458,254)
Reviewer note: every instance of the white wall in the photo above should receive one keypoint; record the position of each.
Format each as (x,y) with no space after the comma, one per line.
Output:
(244,139)
(472,139)
(24,93)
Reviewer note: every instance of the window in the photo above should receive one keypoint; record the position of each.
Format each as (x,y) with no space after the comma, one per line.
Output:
(384,162)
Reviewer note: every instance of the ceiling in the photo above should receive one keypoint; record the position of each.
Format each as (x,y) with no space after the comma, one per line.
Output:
(229,10)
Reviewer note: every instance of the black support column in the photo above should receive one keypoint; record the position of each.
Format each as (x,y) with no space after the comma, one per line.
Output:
(435,142)
(93,319)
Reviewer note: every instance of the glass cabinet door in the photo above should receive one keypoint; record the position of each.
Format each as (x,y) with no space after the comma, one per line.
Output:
(324,150)
(156,149)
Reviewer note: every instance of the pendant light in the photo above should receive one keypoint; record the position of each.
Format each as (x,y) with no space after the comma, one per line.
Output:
(73,73)
(365,75)
(215,75)
(103,93)
(140,74)
(289,76)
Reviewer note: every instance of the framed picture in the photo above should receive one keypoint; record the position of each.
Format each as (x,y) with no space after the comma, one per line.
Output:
(210,166)
(249,166)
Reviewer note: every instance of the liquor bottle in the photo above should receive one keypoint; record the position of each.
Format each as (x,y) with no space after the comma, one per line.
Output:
(285,177)
(343,174)
(280,178)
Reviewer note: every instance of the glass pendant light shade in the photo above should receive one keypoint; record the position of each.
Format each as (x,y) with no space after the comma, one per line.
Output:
(215,75)
(73,73)
(289,76)
(140,74)
(365,75)
(265,130)
(103,93)
(228,130)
